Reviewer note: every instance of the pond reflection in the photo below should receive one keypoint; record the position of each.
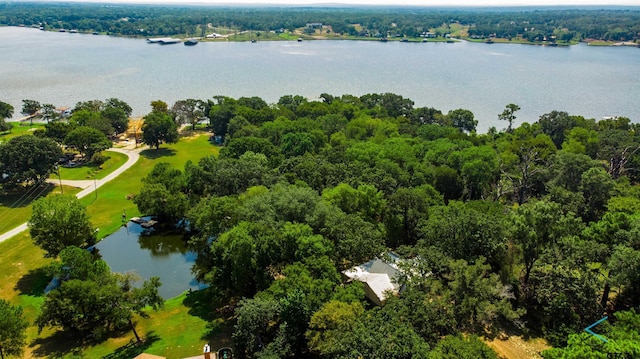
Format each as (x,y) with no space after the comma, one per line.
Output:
(162,255)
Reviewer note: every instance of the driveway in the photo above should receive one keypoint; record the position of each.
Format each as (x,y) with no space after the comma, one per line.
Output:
(88,185)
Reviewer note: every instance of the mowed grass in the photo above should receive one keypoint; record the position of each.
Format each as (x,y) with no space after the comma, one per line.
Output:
(178,330)
(15,206)
(19,130)
(91,171)
(171,331)
(114,198)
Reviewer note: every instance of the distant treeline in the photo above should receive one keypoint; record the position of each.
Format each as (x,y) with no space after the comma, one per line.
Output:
(616,24)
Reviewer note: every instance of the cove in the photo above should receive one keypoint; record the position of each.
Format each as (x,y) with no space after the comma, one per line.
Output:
(165,256)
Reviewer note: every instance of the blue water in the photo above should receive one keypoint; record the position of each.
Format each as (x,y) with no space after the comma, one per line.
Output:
(164,256)
(64,68)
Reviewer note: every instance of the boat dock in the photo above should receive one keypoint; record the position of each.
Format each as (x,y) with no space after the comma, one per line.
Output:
(163,40)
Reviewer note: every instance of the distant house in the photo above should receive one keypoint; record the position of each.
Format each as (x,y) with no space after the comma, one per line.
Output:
(428,35)
(379,277)
(314,25)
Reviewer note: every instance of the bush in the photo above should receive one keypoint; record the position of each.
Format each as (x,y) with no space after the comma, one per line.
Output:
(99,158)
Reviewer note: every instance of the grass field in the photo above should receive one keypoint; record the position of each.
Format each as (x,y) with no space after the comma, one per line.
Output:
(15,206)
(114,198)
(19,130)
(177,330)
(91,171)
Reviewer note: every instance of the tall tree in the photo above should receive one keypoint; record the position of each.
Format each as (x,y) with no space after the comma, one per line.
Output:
(12,329)
(6,111)
(87,140)
(189,111)
(159,128)
(60,221)
(49,112)
(28,159)
(509,115)
(30,108)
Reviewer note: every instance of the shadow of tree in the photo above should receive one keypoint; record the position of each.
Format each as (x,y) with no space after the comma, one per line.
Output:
(57,345)
(133,349)
(203,303)
(161,152)
(62,344)
(209,305)
(19,197)
(34,282)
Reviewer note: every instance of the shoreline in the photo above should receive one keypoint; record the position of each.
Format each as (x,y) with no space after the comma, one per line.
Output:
(297,37)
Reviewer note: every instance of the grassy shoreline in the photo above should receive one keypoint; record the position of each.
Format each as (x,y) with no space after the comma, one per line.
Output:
(295,36)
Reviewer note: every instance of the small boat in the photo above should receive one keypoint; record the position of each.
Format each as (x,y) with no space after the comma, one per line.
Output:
(254,41)
(191,42)
(299,39)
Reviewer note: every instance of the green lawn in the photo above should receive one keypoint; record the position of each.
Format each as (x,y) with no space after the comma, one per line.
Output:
(15,206)
(19,130)
(115,196)
(177,330)
(91,171)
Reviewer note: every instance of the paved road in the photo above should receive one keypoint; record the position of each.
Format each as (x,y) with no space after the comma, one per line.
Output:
(88,185)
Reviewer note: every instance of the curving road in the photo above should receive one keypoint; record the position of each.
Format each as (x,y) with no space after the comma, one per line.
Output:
(88,185)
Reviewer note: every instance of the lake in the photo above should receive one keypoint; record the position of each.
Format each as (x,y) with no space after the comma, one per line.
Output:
(64,68)
(164,256)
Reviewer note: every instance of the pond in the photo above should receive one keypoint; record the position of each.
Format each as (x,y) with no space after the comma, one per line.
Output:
(162,255)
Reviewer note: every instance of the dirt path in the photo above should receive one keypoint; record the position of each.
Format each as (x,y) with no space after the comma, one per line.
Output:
(516,347)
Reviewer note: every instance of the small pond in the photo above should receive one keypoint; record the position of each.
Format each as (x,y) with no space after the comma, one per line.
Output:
(161,255)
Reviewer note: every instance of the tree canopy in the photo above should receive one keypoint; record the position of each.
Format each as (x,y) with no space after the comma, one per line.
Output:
(58,222)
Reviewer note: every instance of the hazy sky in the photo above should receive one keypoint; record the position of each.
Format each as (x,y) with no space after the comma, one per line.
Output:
(391,2)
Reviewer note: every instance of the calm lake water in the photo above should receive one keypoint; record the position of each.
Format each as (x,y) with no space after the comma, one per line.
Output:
(64,68)
(165,256)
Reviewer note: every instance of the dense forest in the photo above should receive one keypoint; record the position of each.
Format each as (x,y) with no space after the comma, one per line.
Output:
(528,24)
(534,227)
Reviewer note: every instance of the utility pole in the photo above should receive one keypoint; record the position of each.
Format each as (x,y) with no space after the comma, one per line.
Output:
(60,179)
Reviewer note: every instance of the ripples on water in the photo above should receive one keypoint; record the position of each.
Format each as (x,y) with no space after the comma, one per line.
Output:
(64,68)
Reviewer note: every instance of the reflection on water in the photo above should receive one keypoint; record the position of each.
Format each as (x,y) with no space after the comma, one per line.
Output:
(162,255)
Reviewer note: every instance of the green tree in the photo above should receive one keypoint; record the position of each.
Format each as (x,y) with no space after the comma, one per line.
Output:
(462,119)
(87,141)
(117,118)
(509,115)
(93,119)
(256,325)
(28,159)
(94,308)
(12,329)
(538,225)
(162,194)
(189,111)
(465,233)
(30,108)
(557,125)
(159,128)
(459,347)
(117,103)
(58,130)
(49,112)
(58,222)
(6,111)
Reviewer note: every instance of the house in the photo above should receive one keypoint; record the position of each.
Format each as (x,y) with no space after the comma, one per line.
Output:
(379,276)
(314,25)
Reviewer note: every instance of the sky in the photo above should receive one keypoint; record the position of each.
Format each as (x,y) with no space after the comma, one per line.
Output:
(388,2)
